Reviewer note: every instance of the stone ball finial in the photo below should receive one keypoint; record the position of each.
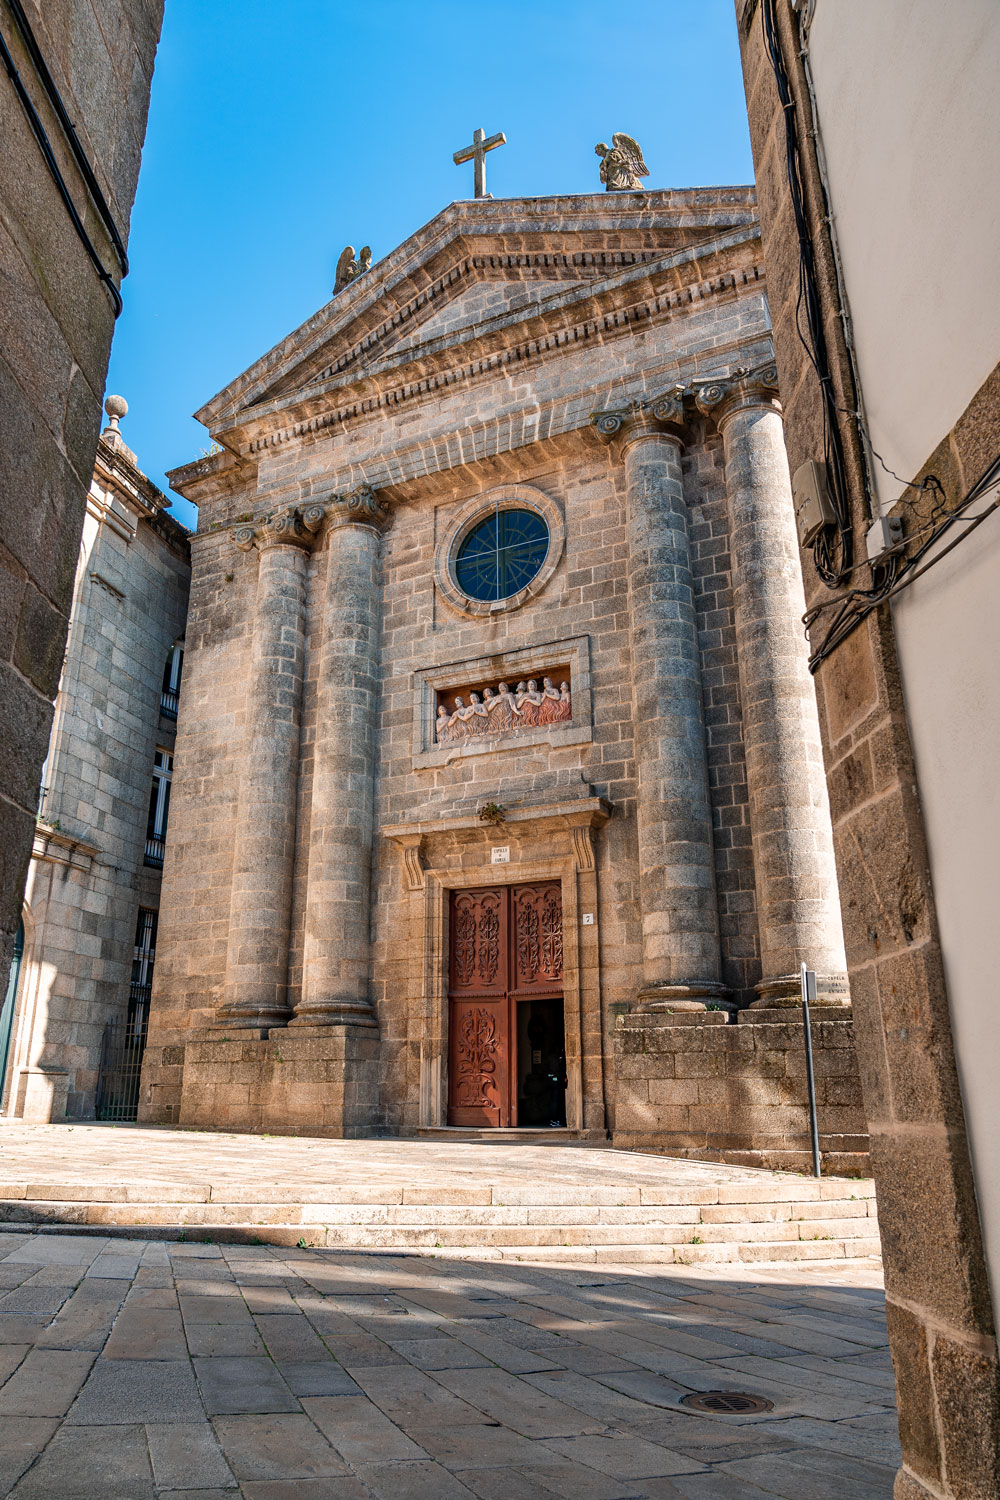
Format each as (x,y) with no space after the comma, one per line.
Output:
(116,408)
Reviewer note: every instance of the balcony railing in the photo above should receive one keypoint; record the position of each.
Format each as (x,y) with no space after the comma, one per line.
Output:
(154,853)
(168,703)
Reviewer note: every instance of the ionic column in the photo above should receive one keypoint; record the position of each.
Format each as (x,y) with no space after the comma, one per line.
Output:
(254,994)
(797,900)
(336,957)
(680,925)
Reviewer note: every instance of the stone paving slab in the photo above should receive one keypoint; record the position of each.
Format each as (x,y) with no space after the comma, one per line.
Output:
(96,1162)
(240,1372)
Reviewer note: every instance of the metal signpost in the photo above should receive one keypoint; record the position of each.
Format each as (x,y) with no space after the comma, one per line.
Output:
(809,993)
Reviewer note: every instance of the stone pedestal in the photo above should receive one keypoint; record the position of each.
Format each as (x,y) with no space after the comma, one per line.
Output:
(254,994)
(796,878)
(695,1087)
(680,933)
(336,959)
(285,1084)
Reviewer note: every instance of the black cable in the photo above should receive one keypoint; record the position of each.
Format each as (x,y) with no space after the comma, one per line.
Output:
(82,160)
(45,146)
(855,606)
(833,550)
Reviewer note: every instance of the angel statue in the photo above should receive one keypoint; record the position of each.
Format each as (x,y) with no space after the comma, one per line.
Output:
(622,166)
(349,269)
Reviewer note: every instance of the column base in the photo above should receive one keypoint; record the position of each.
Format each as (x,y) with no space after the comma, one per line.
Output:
(785,991)
(317,1015)
(256,1018)
(693,995)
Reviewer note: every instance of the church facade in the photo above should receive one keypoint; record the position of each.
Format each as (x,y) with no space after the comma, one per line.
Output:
(498,768)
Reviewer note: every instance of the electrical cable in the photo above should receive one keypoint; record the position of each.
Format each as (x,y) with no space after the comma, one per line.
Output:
(45,146)
(833,550)
(900,573)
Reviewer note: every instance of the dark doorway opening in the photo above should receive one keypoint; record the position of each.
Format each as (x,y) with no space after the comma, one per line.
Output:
(541,1063)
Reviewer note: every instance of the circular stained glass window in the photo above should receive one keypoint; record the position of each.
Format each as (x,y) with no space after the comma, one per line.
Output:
(502,554)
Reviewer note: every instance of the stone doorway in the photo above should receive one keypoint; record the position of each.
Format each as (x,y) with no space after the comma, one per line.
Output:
(506,1036)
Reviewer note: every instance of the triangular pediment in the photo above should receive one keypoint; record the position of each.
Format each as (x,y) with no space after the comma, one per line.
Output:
(474,270)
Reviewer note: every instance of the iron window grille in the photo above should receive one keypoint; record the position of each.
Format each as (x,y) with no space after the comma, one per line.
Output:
(170,692)
(159,808)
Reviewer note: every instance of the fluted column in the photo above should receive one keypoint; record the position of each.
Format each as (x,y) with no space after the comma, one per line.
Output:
(336,958)
(680,925)
(254,993)
(796,878)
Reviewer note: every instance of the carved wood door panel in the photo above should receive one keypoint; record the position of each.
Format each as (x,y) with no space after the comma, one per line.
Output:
(505,944)
(537,947)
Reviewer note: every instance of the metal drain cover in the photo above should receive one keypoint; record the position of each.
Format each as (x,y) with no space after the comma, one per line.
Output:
(726,1401)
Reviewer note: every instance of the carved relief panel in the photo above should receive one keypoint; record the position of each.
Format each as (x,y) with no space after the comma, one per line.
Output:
(494,712)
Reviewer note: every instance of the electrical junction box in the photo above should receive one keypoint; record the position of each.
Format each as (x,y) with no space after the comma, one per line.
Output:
(813,506)
(886,532)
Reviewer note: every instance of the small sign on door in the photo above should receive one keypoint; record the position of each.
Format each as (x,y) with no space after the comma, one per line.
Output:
(500,854)
(588,919)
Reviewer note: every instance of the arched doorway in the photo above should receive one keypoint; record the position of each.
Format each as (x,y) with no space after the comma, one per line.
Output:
(7,1013)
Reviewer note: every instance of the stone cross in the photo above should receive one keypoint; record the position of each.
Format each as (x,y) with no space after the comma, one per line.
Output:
(477,153)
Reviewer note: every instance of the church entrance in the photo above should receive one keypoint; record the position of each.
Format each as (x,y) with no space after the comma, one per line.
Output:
(506,1040)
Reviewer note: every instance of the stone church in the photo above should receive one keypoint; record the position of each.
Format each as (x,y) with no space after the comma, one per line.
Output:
(498,798)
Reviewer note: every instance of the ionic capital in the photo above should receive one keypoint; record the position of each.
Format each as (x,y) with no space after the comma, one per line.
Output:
(359,507)
(740,390)
(660,416)
(284,529)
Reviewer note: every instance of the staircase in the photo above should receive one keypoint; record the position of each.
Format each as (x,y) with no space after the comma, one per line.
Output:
(718,1215)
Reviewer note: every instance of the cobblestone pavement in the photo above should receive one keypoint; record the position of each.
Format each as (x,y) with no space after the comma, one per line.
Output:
(134,1369)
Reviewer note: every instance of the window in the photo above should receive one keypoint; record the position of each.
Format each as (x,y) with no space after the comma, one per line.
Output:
(502,554)
(143,958)
(159,806)
(170,691)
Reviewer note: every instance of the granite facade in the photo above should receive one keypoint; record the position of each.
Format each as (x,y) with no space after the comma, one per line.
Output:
(410,402)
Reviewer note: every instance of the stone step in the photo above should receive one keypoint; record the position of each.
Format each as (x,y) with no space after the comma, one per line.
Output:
(316,1237)
(769,1191)
(843,1217)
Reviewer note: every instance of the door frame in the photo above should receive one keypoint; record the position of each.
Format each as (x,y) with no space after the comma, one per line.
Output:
(438,886)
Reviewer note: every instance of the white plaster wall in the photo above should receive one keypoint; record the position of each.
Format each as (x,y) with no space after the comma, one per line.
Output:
(909,109)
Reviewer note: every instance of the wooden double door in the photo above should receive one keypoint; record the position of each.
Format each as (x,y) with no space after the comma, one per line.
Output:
(506,1039)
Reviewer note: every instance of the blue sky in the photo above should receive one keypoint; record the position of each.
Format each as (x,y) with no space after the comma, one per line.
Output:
(280,132)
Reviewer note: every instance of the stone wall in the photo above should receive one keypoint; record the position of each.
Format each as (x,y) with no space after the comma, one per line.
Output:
(693,1086)
(55,337)
(941,1320)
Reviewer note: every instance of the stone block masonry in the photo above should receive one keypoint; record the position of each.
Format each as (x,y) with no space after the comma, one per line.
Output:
(693,1086)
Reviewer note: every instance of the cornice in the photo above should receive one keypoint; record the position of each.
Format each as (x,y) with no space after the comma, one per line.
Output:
(568,412)
(518,224)
(52,846)
(383,394)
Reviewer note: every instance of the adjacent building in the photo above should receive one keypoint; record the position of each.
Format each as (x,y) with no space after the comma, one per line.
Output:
(876,138)
(74,1022)
(498,797)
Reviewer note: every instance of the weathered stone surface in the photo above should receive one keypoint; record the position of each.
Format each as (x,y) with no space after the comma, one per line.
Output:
(935,1267)
(56,321)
